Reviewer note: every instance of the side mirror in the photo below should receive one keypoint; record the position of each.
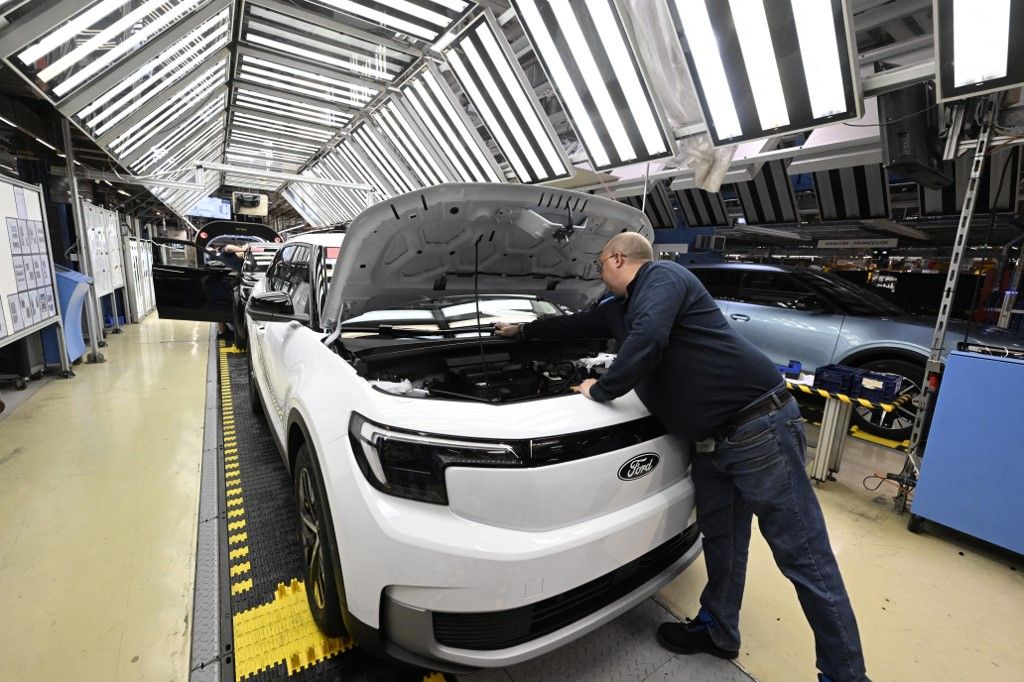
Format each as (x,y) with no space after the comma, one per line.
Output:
(271,306)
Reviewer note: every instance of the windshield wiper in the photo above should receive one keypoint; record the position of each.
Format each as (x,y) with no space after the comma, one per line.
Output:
(393,330)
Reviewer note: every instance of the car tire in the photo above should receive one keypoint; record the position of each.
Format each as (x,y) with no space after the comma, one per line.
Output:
(898,424)
(316,542)
(255,404)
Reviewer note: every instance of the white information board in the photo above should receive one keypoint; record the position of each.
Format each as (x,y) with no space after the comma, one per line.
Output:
(28,301)
(104,229)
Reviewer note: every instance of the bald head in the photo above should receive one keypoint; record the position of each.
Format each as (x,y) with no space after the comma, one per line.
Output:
(621,258)
(632,245)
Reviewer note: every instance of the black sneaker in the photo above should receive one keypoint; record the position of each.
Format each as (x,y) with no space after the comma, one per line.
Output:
(690,638)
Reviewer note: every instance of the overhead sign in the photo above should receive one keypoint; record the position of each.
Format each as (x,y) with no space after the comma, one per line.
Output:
(857,243)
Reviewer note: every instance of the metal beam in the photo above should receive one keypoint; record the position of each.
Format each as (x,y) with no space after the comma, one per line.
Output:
(287,94)
(284,177)
(165,129)
(896,79)
(284,120)
(77,100)
(145,181)
(883,14)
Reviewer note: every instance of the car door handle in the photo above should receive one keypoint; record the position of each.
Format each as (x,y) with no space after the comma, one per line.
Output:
(739,317)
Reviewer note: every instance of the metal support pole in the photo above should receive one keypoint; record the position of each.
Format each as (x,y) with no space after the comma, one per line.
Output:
(93,320)
(933,369)
(828,455)
(1011,294)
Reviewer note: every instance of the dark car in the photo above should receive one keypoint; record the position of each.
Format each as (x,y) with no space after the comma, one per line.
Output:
(255,262)
(817,319)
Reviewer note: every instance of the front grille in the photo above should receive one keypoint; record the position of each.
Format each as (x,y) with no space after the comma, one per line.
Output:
(502,629)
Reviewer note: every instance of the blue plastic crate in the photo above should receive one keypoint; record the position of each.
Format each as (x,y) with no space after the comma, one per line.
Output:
(792,371)
(880,387)
(838,379)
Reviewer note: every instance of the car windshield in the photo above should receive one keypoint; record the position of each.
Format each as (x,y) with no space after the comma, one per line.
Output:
(451,315)
(854,300)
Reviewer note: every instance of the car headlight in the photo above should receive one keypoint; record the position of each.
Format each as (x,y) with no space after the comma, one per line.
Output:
(411,464)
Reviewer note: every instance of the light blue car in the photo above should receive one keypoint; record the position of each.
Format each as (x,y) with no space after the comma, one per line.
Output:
(817,319)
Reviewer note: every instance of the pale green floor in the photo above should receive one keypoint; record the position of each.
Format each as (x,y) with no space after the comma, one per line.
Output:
(99,481)
(925,611)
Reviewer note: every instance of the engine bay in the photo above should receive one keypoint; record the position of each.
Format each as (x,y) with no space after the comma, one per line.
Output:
(513,371)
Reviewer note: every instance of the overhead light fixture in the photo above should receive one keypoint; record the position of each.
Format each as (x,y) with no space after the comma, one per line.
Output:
(979,46)
(587,53)
(423,19)
(45,143)
(741,57)
(122,192)
(490,75)
(377,152)
(770,232)
(427,101)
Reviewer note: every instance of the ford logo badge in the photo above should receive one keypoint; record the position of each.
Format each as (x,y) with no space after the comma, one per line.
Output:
(639,466)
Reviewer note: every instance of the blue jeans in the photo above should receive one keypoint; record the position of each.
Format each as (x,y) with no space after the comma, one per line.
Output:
(759,469)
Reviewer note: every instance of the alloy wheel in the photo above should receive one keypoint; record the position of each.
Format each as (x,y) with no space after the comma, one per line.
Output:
(312,546)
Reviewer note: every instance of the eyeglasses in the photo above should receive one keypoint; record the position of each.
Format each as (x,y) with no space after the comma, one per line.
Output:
(599,262)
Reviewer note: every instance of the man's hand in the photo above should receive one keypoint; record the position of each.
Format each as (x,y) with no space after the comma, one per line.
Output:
(584,387)
(506,330)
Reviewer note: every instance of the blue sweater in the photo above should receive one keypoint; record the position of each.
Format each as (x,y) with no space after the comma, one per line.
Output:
(676,350)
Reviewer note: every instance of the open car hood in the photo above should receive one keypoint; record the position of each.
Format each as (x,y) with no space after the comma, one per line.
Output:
(532,240)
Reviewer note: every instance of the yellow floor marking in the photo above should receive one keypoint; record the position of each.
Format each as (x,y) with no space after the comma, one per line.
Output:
(239,588)
(237,538)
(236,525)
(282,631)
(239,569)
(238,553)
(433,677)
(231,458)
(232,482)
(871,438)
(231,465)
(234,491)
(235,513)
(230,450)
(235,502)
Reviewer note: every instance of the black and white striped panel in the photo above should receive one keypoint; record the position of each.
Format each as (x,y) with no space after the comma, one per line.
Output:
(764,67)
(657,207)
(950,199)
(367,172)
(586,52)
(403,135)
(423,20)
(768,198)
(855,193)
(702,209)
(492,79)
(378,153)
(427,99)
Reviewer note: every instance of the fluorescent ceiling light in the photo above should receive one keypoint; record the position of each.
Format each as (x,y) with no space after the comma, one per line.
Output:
(759,58)
(379,17)
(45,143)
(980,40)
(621,60)
(586,49)
(69,30)
(819,52)
(547,50)
(348,65)
(109,57)
(121,191)
(704,48)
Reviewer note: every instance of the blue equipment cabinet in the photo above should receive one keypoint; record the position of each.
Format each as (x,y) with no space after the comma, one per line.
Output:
(972,475)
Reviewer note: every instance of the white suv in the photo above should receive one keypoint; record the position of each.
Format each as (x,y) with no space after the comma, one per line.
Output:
(460,506)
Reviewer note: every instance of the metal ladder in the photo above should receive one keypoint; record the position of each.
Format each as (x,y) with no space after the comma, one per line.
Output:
(925,402)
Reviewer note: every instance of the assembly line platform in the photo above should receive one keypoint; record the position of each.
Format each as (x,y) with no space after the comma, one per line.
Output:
(257,609)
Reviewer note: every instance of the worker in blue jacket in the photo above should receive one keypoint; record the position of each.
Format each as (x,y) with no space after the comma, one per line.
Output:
(711,387)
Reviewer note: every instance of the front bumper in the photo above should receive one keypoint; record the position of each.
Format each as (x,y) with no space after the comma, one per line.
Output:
(500,638)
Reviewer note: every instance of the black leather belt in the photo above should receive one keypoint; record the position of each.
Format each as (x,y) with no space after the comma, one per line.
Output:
(770,402)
